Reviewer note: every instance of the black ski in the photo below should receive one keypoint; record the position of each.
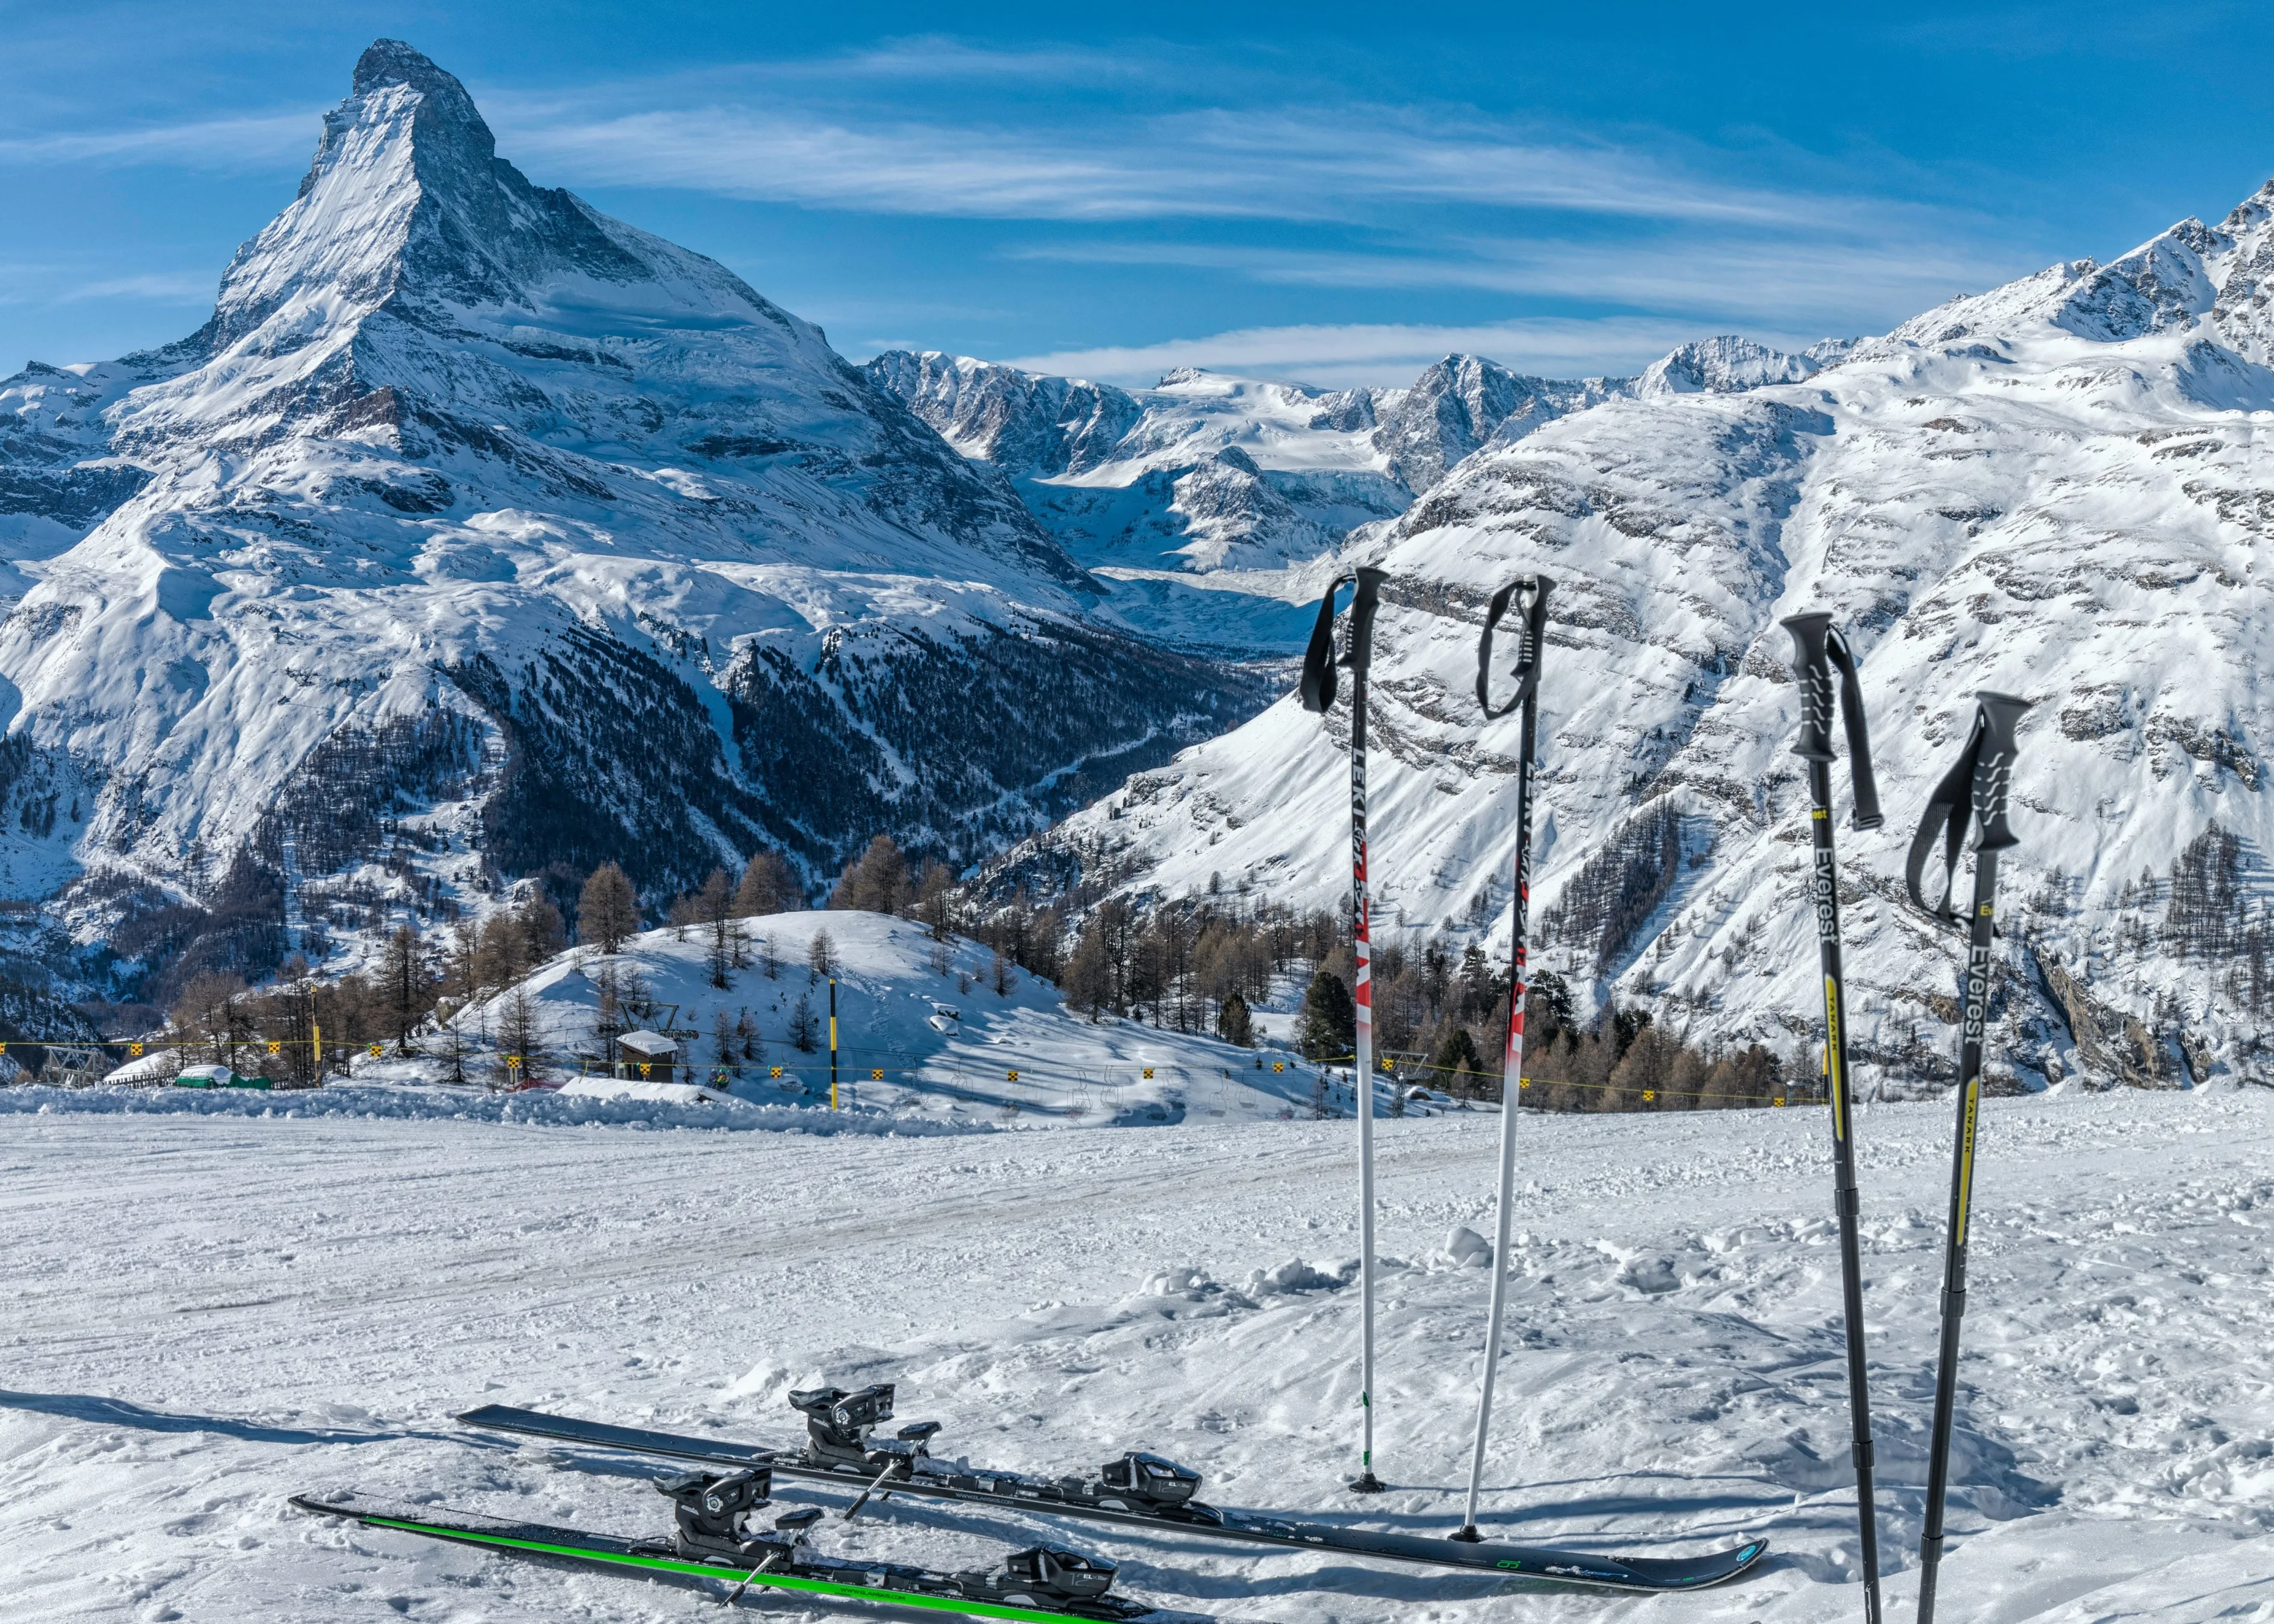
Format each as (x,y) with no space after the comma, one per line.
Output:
(1138,1490)
(1046,1585)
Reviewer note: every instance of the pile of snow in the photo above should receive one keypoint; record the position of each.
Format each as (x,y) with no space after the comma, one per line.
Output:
(633,1106)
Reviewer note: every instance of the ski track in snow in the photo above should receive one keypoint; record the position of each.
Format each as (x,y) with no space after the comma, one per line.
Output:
(210,1311)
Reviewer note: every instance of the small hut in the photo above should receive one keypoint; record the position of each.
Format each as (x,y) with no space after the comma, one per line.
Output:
(647,1056)
(215,1076)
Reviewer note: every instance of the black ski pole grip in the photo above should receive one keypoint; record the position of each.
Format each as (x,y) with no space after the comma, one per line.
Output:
(1811,669)
(1867,815)
(1318,684)
(1531,639)
(1359,654)
(1993,769)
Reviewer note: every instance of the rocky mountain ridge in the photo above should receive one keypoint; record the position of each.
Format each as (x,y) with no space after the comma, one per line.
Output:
(1249,486)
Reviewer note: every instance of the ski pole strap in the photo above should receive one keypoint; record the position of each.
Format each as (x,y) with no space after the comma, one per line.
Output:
(1974,788)
(1319,661)
(1817,647)
(1318,685)
(1867,815)
(1533,635)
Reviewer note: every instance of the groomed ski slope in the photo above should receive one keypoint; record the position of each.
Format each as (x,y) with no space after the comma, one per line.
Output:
(206,1314)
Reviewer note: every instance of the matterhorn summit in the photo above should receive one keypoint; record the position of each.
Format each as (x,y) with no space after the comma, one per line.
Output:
(527,537)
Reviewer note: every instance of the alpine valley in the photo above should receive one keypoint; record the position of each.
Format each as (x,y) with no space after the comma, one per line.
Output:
(478,536)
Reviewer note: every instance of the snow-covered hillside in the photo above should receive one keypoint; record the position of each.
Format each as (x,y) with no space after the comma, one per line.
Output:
(468,492)
(2059,488)
(208,1313)
(924,1013)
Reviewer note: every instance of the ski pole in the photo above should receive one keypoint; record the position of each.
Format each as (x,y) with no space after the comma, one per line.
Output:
(1981,776)
(1816,648)
(1533,590)
(1318,691)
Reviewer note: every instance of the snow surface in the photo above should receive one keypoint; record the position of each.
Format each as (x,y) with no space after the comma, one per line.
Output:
(212,1309)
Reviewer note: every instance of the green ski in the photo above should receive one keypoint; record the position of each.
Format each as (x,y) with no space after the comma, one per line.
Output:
(1033,1586)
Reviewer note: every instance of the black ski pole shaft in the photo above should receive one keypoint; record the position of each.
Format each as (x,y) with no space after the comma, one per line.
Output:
(1990,753)
(1318,694)
(1816,646)
(1532,637)
(878,1482)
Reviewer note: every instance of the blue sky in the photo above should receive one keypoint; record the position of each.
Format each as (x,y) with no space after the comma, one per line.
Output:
(1331,194)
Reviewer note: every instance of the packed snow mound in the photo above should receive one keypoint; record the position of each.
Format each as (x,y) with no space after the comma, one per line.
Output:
(2056,489)
(469,494)
(923,1013)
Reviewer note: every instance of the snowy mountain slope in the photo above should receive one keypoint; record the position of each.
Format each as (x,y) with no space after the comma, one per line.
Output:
(189,1345)
(2058,488)
(458,451)
(946,1042)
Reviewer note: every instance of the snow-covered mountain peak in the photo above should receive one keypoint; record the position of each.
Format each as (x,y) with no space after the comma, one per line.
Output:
(510,506)
(1726,365)
(408,201)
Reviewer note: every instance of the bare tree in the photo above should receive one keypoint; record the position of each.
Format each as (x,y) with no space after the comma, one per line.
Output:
(769,886)
(608,910)
(607,1012)
(518,1039)
(820,957)
(804,1026)
(722,1039)
(715,907)
(407,982)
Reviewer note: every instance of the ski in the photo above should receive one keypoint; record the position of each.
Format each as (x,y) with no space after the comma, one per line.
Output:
(712,1539)
(1138,1490)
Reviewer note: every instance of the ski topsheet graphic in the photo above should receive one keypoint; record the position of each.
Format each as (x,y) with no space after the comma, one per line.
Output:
(1138,1490)
(1048,1584)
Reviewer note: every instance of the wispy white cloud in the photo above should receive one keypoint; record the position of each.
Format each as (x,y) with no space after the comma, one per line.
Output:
(1340,355)
(1785,278)
(158,288)
(1208,162)
(214,143)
